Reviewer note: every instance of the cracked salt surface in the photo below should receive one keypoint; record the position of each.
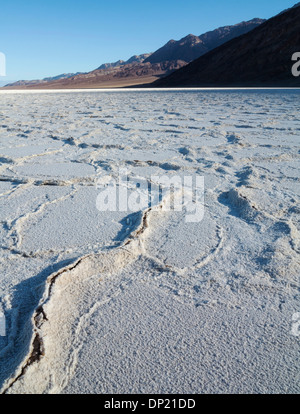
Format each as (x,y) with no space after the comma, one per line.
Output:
(146,302)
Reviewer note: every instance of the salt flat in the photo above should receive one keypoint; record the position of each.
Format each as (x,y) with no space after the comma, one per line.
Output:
(144,301)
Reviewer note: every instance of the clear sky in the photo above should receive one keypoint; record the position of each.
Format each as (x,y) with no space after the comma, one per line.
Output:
(45,38)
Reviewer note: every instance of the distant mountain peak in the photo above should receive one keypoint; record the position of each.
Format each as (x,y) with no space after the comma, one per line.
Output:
(190,39)
(133,59)
(170,42)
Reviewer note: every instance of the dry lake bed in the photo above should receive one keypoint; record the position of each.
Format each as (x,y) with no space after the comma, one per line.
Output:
(110,281)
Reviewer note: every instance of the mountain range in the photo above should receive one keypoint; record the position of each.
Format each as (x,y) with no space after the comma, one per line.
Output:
(133,59)
(262,57)
(45,80)
(253,53)
(191,47)
(148,67)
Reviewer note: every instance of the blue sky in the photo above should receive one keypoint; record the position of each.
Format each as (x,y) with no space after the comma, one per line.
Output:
(45,38)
